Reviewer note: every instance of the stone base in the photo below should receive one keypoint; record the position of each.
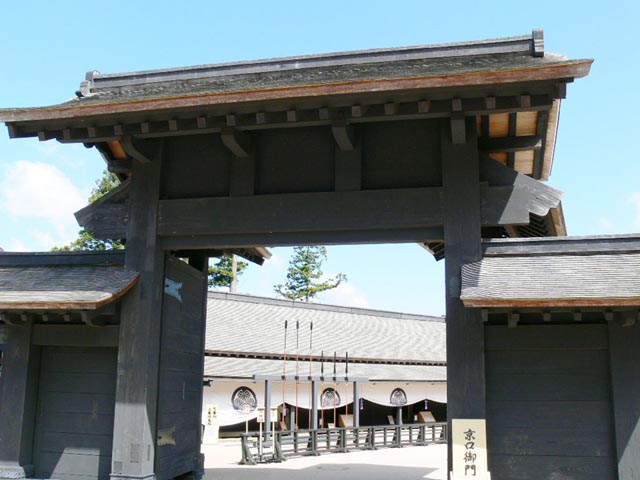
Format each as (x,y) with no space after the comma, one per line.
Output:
(15,471)
(114,476)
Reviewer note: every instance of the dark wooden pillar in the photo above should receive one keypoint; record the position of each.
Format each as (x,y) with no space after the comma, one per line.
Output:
(134,435)
(624,349)
(314,404)
(356,404)
(20,369)
(462,236)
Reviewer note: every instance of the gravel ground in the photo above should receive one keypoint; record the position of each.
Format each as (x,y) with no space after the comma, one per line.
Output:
(408,463)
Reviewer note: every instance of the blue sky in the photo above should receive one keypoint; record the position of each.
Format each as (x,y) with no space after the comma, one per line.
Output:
(48,46)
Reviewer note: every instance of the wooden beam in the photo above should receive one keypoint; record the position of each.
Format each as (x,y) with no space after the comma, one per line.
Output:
(200,124)
(291,239)
(237,142)
(406,208)
(510,144)
(317,212)
(75,336)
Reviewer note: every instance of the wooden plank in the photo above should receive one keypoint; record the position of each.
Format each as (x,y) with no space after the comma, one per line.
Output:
(510,144)
(624,344)
(554,414)
(92,360)
(534,440)
(75,423)
(544,361)
(87,403)
(77,444)
(543,337)
(519,467)
(76,335)
(546,387)
(100,383)
(54,465)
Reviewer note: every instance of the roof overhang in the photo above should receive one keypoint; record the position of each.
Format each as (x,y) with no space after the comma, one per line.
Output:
(571,272)
(486,78)
(62,281)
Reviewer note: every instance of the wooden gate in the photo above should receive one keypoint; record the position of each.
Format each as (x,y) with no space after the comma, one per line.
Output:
(74,425)
(549,411)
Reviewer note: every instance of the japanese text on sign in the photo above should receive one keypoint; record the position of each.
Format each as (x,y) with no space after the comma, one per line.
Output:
(469,448)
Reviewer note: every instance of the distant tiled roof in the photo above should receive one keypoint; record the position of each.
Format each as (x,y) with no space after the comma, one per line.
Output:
(246,333)
(68,281)
(569,272)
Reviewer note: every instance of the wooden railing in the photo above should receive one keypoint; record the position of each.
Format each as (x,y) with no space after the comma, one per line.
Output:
(280,445)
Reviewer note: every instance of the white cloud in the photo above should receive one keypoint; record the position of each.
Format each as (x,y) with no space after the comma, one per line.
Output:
(347,295)
(606,223)
(36,191)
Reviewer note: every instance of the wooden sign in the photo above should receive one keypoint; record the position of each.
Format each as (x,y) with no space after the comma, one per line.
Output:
(469,451)
(426,417)
(345,420)
(212,414)
(260,415)
(273,414)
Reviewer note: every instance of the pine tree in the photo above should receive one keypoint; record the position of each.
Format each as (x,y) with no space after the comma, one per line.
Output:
(221,274)
(304,273)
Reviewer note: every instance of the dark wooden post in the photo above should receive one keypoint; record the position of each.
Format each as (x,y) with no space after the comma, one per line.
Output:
(134,432)
(624,347)
(462,236)
(21,363)
(356,404)
(314,404)
(267,409)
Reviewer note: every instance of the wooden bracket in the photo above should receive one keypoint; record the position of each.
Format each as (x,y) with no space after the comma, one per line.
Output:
(238,143)
(484,315)
(120,166)
(608,316)
(141,150)
(577,316)
(89,318)
(514,318)
(546,316)
(14,319)
(630,317)
(345,136)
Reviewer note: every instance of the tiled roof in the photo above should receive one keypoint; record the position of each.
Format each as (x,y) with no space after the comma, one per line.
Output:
(582,271)
(39,281)
(255,327)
